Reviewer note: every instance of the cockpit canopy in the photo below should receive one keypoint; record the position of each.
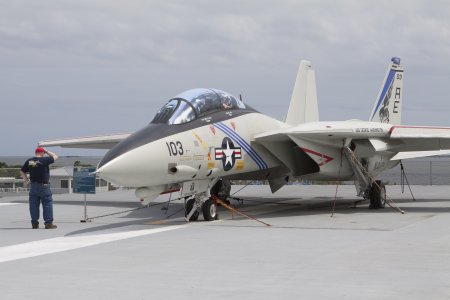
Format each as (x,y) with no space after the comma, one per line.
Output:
(196,103)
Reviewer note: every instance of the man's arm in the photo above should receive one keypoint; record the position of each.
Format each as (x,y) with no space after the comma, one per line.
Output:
(51,154)
(26,181)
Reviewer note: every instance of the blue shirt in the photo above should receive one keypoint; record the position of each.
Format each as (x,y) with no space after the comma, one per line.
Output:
(38,167)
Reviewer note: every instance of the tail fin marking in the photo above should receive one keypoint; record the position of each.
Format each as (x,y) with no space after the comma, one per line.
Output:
(387,108)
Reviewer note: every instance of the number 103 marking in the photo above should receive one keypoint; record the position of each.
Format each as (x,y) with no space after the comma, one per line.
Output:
(175,148)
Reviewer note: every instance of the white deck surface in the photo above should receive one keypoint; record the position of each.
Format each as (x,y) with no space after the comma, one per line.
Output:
(306,254)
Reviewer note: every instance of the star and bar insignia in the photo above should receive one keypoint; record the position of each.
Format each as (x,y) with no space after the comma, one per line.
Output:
(228,154)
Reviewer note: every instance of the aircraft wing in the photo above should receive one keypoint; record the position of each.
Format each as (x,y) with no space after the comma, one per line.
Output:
(91,142)
(417,154)
(420,132)
(419,139)
(402,141)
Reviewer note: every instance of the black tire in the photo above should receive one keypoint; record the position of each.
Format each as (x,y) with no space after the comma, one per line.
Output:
(189,205)
(377,195)
(209,210)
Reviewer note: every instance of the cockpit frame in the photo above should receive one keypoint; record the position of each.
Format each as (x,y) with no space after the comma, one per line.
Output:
(194,104)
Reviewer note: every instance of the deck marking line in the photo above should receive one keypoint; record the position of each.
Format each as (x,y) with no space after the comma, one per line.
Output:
(65,243)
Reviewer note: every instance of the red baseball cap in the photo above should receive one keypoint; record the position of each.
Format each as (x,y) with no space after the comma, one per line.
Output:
(39,150)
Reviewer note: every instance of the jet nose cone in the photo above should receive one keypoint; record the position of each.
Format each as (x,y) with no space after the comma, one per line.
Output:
(148,134)
(137,161)
(114,153)
(142,166)
(111,169)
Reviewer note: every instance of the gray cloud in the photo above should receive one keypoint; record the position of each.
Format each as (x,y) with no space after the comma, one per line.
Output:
(93,67)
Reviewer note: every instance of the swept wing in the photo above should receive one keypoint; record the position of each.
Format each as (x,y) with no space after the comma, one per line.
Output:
(90,142)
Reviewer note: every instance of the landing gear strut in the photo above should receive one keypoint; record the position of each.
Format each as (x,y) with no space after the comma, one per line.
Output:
(375,191)
(190,206)
(377,195)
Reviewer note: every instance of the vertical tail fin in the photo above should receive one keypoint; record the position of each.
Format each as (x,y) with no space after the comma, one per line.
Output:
(388,105)
(303,106)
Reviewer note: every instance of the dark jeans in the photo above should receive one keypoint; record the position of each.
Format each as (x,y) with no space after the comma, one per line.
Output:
(41,193)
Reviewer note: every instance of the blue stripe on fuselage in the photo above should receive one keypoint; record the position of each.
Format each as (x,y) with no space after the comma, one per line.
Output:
(243,144)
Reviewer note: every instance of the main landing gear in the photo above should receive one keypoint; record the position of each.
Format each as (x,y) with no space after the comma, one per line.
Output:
(374,190)
(200,203)
(377,195)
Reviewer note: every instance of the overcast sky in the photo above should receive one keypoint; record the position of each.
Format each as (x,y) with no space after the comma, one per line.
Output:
(89,67)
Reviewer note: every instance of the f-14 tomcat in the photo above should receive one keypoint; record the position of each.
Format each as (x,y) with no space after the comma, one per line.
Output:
(203,137)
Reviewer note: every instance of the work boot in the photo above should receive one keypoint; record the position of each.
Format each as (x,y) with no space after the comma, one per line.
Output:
(35,225)
(50,226)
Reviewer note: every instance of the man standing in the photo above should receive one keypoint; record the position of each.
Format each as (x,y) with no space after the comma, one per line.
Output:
(38,168)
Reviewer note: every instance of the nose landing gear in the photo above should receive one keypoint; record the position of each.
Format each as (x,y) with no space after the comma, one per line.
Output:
(209,210)
(201,203)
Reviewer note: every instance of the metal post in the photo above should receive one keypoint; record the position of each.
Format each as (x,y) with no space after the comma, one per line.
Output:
(85,207)
(431,172)
(85,211)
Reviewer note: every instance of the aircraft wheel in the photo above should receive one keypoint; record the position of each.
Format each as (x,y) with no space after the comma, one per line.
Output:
(189,206)
(377,195)
(209,210)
